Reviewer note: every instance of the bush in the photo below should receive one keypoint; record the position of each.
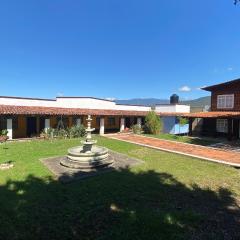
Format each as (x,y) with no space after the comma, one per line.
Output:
(136,129)
(4,132)
(62,133)
(73,132)
(77,131)
(3,136)
(182,121)
(48,133)
(153,123)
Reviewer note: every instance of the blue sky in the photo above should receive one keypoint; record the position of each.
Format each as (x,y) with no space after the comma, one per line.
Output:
(117,48)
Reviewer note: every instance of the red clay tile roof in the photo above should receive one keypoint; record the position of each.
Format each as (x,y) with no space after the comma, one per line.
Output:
(213,115)
(27,110)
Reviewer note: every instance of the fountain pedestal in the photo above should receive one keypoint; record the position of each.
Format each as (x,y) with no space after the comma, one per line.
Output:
(89,156)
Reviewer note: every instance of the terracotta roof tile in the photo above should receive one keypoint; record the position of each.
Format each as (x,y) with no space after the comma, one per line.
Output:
(213,114)
(29,110)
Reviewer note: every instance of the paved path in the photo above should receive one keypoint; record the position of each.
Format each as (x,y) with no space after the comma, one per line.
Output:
(202,152)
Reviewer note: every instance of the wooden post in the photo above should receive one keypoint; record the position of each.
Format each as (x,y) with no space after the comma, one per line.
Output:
(190,126)
(230,129)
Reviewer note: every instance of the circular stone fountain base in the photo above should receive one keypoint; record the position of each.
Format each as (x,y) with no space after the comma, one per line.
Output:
(79,158)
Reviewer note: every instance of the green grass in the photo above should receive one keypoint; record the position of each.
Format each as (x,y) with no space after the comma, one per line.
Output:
(168,197)
(185,139)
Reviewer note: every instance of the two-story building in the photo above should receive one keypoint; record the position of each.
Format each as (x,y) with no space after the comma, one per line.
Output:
(224,117)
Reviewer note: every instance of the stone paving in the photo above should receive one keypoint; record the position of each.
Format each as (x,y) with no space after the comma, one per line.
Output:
(65,174)
(225,156)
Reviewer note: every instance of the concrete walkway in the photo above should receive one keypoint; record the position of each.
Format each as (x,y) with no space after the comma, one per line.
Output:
(197,151)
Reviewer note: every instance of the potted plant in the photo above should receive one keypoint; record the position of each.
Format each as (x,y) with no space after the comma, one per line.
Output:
(3,136)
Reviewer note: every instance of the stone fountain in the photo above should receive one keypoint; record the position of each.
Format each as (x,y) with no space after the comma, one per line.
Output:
(87,157)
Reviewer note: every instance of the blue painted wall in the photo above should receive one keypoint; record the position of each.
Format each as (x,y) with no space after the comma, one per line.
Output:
(171,125)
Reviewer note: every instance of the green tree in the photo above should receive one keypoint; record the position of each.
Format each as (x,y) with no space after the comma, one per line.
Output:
(153,123)
(182,121)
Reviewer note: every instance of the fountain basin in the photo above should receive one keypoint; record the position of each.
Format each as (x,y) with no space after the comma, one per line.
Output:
(77,158)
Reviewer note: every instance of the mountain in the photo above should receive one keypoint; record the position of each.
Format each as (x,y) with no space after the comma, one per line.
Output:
(143,101)
(199,102)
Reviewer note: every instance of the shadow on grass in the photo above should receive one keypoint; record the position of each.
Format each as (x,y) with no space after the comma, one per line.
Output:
(117,205)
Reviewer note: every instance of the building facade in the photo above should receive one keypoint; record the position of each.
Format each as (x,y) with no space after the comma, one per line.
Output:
(28,117)
(224,117)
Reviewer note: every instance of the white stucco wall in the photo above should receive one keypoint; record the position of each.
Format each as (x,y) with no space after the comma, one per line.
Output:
(132,108)
(27,102)
(85,103)
(173,108)
(89,103)
(183,108)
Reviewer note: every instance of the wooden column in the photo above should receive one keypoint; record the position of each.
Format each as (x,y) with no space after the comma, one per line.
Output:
(38,125)
(230,129)
(190,126)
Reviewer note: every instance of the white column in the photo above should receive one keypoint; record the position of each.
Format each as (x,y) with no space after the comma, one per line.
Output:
(79,121)
(9,129)
(122,124)
(139,122)
(47,124)
(101,132)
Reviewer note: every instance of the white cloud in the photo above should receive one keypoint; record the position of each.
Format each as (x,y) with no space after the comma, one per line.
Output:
(229,69)
(184,89)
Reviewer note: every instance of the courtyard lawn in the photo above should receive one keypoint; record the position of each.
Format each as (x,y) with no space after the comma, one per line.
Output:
(168,197)
(204,141)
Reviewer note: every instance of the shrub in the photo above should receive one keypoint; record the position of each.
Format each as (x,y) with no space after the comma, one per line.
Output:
(62,133)
(4,132)
(153,123)
(136,129)
(182,121)
(3,136)
(48,133)
(73,132)
(77,131)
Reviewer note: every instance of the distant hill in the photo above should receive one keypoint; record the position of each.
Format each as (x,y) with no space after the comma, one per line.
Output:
(199,102)
(143,101)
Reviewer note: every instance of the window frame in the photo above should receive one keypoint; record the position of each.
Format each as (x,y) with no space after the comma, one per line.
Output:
(222,101)
(111,121)
(222,125)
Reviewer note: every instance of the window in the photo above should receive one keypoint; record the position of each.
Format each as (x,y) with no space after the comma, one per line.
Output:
(3,123)
(97,122)
(15,123)
(222,125)
(63,122)
(225,101)
(111,121)
(77,120)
